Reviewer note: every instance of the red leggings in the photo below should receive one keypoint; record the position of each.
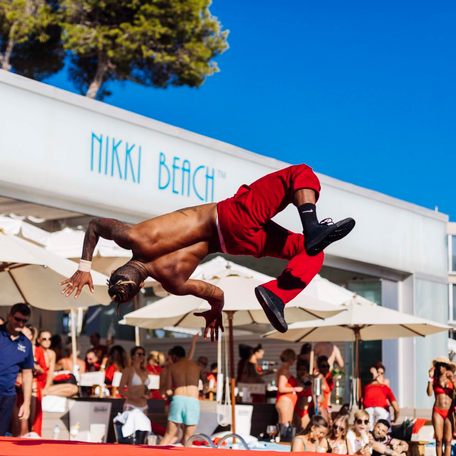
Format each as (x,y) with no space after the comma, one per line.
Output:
(245,227)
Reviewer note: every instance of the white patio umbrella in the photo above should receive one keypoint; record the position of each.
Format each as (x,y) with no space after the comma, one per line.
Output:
(32,274)
(363,320)
(321,299)
(67,243)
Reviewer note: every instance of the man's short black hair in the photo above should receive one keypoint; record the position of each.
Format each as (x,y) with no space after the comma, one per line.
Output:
(178,351)
(124,283)
(384,422)
(22,308)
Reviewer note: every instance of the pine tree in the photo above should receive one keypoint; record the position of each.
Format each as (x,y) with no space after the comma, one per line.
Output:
(151,42)
(29,38)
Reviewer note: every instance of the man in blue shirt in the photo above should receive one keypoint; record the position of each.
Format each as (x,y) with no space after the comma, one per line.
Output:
(16,354)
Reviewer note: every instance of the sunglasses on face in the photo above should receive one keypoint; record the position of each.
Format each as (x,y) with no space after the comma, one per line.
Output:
(140,354)
(338,428)
(45,338)
(362,421)
(20,320)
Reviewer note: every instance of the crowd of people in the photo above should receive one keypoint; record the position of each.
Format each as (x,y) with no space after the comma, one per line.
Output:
(35,364)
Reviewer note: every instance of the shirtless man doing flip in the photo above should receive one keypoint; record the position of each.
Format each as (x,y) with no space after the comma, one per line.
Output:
(168,248)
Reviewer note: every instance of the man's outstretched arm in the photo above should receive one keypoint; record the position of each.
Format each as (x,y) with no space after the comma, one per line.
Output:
(210,293)
(99,227)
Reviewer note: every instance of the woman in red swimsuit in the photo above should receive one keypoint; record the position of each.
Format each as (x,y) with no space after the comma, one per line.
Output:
(287,389)
(441,384)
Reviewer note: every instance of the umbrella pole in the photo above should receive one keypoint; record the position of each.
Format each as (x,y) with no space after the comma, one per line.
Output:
(17,285)
(74,347)
(232,378)
(357,340)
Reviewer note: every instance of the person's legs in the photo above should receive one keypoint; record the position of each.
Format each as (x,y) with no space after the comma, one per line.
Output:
(448,434)
(285,409)
(191,415)
(6,410)
(438,422)
(171,432)
(300,270)
(37,415)
(188,432)
(246,228)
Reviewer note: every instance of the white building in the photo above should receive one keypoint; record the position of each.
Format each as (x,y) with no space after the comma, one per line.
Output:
(66,151)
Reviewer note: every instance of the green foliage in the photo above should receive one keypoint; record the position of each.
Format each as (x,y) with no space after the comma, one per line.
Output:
(151,42)
(29,38)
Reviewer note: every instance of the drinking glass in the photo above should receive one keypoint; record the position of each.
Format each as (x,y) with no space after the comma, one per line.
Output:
(271,430)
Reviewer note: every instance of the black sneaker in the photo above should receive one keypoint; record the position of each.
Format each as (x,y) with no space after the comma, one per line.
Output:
(325,233)
(273,308)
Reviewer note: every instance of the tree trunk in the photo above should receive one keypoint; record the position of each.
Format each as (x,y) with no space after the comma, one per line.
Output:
(98,80)
(9,49)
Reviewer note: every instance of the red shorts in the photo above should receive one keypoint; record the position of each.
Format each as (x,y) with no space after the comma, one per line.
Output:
(245,227)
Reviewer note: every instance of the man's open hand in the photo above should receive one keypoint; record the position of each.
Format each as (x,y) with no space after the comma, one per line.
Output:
(77,282)
(214,322)
(24,412)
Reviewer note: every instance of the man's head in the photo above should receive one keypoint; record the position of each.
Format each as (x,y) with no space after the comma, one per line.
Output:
(18,316)
(177,353)
(126,281)
(202,362)
(381,429)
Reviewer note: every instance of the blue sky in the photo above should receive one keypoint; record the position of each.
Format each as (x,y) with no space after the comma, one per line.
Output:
(361,91)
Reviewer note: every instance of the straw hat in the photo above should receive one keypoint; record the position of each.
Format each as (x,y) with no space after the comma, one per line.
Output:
(444,360)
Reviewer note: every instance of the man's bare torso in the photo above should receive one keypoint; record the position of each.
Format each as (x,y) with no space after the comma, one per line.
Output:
(184,376)
(173,231)
(183,238)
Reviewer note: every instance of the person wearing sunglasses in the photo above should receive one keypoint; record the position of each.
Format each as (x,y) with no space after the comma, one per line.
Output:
(44,346)
(337,441)
(358,436)
(313,437)
(16,355)
(134,381)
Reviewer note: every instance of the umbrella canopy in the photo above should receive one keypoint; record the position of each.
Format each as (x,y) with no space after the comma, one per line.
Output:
(31,273)
(319,300)
(67,243)
(363,320)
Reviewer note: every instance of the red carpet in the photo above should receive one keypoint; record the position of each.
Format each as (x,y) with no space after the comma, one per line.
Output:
(31,447)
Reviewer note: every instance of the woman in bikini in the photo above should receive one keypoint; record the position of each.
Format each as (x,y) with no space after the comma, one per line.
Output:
(287,389)
(441,384)
(313,437)
(134,382)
